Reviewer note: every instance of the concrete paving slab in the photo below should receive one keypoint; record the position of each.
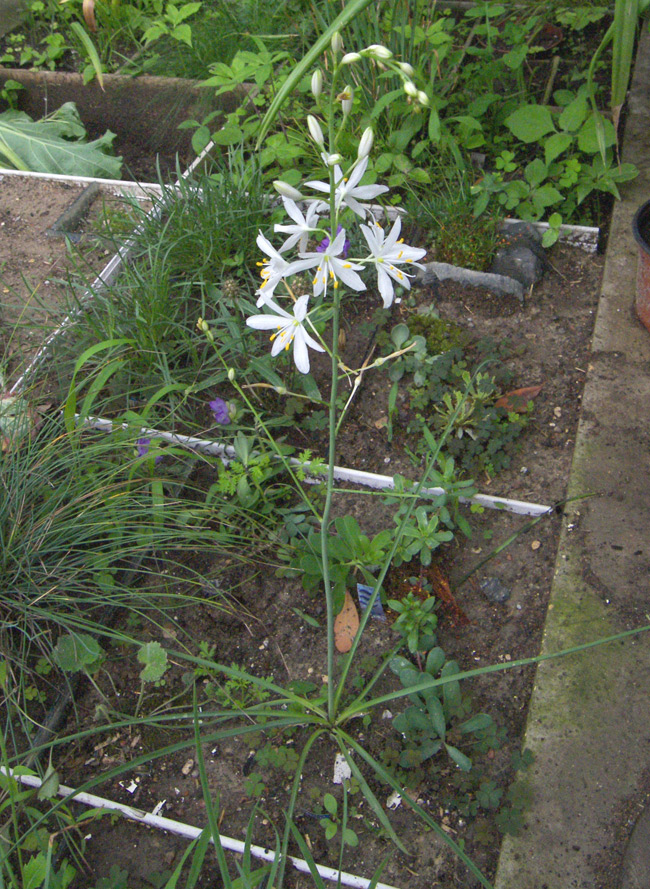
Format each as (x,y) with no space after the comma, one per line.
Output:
(589,717)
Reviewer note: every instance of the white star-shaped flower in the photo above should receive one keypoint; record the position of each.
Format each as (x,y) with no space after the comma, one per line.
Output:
(272,270)
(330,267)
(348,192)
(288,329)
(386,253)
(304,225)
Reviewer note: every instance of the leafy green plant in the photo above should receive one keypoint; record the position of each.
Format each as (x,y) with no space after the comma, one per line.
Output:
(416,621)
(171,21)
(578,160)
(336,821)
(445,386)
(349,551)
(55,144)
(426,722)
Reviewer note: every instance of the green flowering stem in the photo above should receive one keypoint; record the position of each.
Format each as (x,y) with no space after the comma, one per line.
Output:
(325,522)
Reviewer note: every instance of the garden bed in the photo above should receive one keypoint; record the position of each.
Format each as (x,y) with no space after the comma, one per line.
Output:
(548,343)
(138,359)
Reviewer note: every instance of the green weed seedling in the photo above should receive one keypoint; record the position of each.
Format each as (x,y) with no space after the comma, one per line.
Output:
(425,725)
(337,822)
(416,621)
(348,551)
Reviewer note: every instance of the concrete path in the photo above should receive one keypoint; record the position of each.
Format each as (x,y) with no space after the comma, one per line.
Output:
(589,718)
(11,12)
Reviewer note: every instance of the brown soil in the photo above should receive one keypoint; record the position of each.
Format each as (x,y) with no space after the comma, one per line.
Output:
(42,276)
(261,629)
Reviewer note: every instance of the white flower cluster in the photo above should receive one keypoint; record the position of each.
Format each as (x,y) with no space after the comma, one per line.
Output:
(387,252)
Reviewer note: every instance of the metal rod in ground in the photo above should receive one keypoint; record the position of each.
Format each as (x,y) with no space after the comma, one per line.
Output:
(190,832)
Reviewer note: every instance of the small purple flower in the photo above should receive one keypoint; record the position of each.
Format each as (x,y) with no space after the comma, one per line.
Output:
(142,448)
(221,411)
(324,244)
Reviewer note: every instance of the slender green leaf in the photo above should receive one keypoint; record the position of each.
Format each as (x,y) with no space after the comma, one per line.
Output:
(91,51)
(350,12)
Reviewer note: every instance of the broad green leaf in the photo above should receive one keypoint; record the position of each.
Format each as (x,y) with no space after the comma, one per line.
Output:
(515,58)
(574,115)
(435,661)
(530,123)
(595,129)
(546,196)
(475,723)
(350,838)
(183,34)
(76,652)
(463,762)
(34,872)
(536,172)
(399,335)
(437,716)
(434,128)
(55,145)
(555,145)
(50,785)
(154,658)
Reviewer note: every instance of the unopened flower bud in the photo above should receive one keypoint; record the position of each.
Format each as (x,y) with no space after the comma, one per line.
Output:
(315,131)
(407,69)
(365,145)
(350,57)
(286,190)
(331,159)
(336,42)
(202,325)
(410,89)
(231,374)
(423,99)
(379,52)
(317,83)
(346,98)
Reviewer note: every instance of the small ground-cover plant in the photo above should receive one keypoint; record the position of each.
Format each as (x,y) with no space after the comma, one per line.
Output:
(445,379)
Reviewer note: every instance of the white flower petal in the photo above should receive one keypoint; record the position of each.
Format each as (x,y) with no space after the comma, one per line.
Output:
(385,286)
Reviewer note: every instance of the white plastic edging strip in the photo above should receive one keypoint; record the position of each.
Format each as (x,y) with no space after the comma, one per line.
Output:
(115,186)
(187,830)
(584,237)
(341,473)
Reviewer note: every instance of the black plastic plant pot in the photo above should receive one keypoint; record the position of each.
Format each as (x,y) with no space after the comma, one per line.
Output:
(641,229)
